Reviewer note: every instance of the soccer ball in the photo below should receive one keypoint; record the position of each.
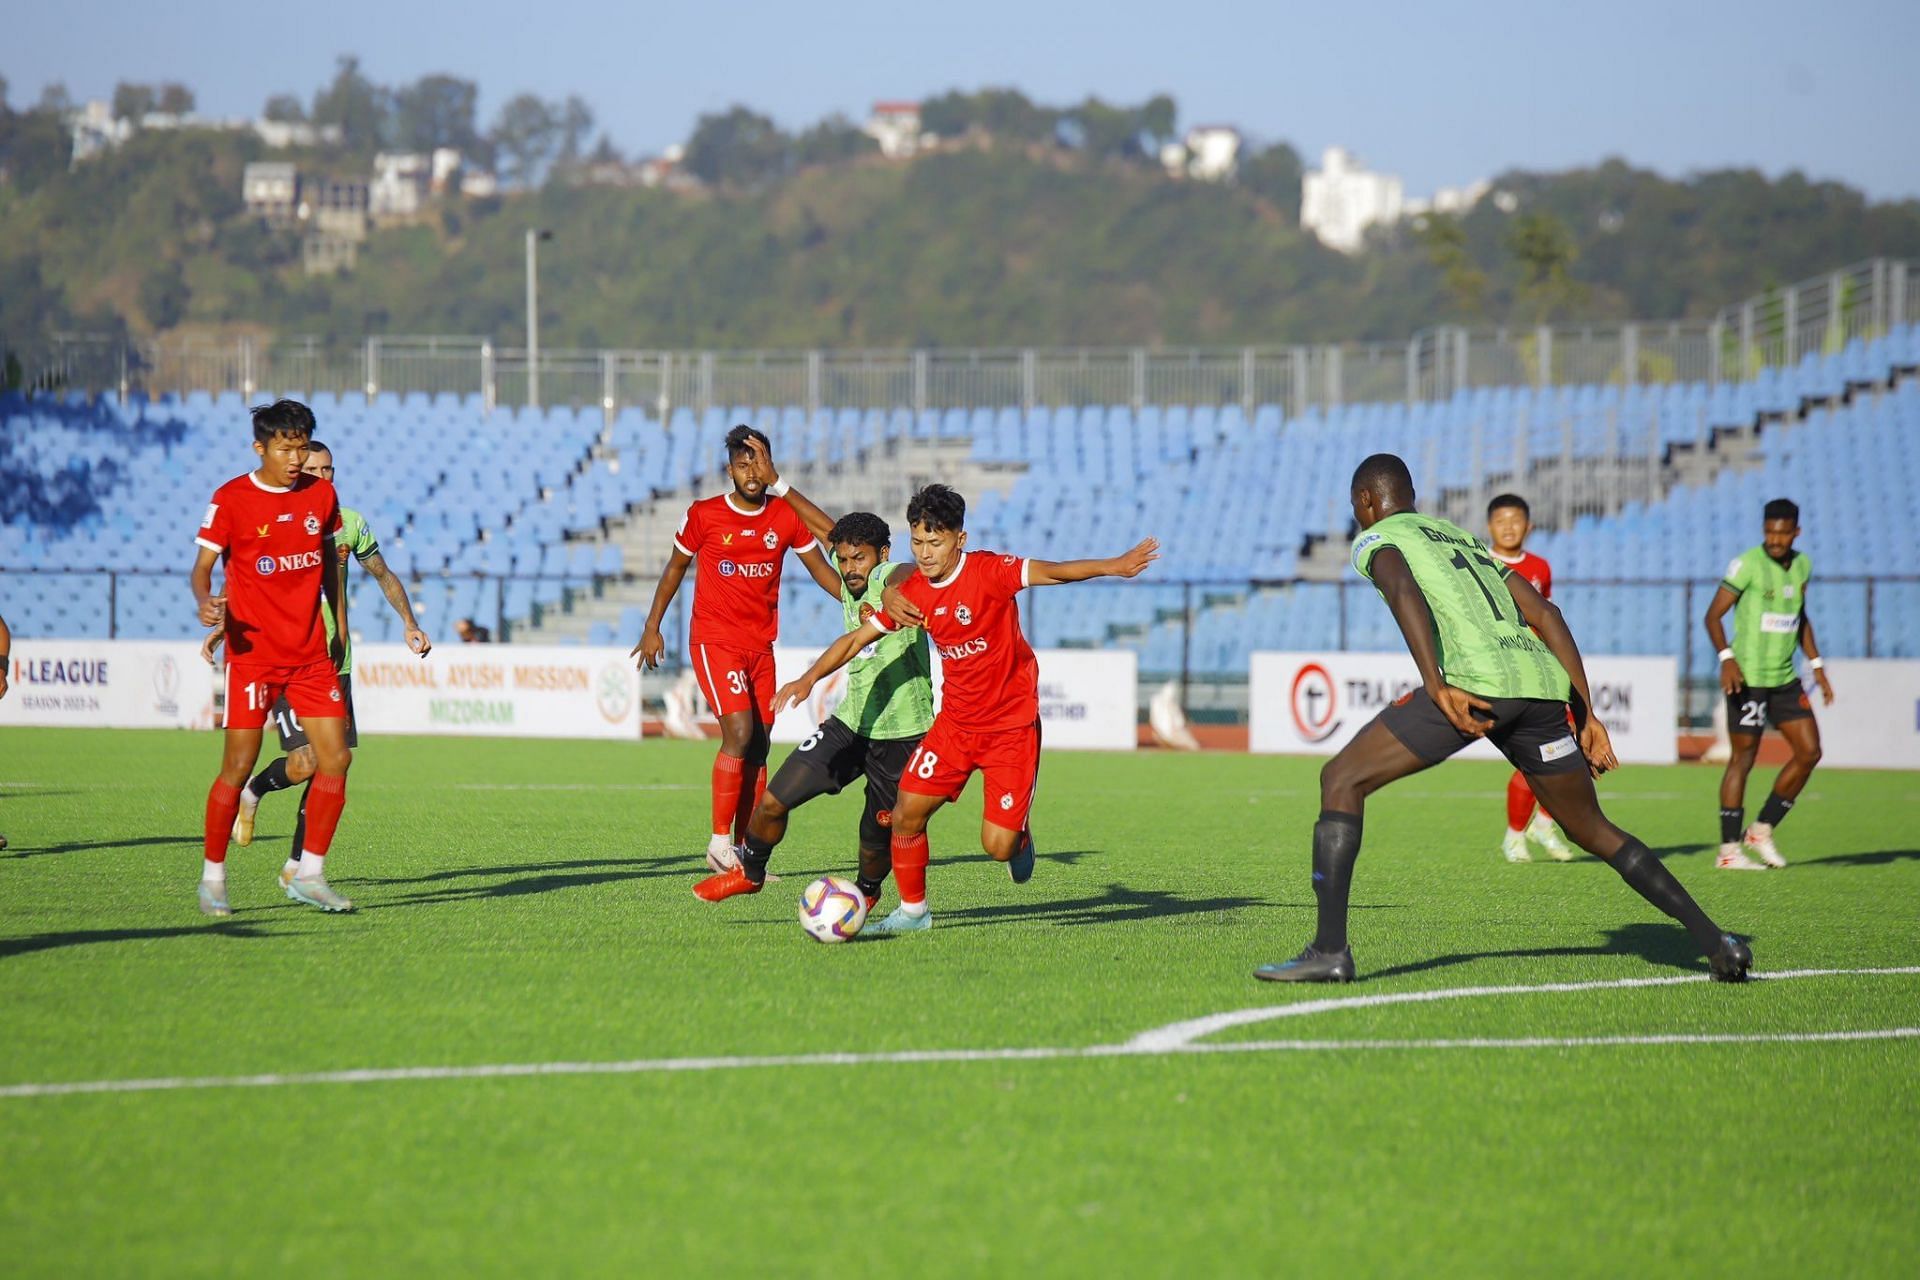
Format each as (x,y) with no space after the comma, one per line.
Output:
(832,910)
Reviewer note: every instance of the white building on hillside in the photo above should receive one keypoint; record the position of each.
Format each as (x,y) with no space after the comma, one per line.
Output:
(896,127)
(1340,200)
(1210,153)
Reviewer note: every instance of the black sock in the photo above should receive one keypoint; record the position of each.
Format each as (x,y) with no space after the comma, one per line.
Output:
(868,888)
(1640,869)
(1774,811)
(754,853)
(1336,844)
(300,823)
(270,779)
(1731,821)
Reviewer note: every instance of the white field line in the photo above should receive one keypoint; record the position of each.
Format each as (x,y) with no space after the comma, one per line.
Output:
(1160,1043)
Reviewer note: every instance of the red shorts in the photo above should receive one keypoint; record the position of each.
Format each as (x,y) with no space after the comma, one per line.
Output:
(313,691)
(1008,759)
(735,679)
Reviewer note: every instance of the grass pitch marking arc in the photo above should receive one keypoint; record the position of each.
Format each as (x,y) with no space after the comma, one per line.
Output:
(1174,1039)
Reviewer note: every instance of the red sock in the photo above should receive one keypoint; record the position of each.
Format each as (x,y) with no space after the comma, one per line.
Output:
(223,802)
(749,801)
(727,777)
(324,803)
(1520,802)
(910,867)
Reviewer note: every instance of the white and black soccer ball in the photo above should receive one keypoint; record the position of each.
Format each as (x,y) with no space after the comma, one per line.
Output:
(832,910)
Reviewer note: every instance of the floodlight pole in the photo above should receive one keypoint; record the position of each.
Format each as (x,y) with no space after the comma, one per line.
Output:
(534,236)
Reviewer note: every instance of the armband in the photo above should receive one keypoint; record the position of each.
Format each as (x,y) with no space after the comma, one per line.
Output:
(778,489)
(1813,664)
(1726,655)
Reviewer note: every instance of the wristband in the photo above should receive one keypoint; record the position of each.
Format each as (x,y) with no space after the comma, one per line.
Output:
(1726,655)
(778,489)
(1813,664)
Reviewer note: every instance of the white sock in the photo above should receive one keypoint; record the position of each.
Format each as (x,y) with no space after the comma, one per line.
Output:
(248,800)
(291,866)
(213,872)
(914,908)
(1542,825)
(1760,830)
(719,842)
(310,864)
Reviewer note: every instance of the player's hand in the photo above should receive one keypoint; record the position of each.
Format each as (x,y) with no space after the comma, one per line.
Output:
(762,463)
(791,695)
(1597,746)
(418,642)
(1826,687)
(1731,681)
(1135,562)
(336,651)
(652,647)
(214,612)
(211,645)
(901,609)
(1458,706)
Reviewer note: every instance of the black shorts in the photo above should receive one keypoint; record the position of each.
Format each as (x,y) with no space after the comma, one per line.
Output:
(834,756)
(293,734)
(1532,733)
(1752,709)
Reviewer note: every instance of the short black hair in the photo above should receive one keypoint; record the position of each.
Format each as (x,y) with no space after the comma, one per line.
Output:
(1509,500)
(281,418)
(738,437)
(937,508)
(318,446)
(1386,477)
(862,528)
(1782,509)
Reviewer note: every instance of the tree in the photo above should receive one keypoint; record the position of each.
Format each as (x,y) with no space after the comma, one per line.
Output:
(831,141)
(526,134)
(436,111)
(164,296)
(575,120)
(1445,241)
(54,99)
(360,107)
(1001,113)
(739,149)
(175,99)
(3,95)
(131,101)
(1544,250)
(286,108)
(1159,120)
(1273,174)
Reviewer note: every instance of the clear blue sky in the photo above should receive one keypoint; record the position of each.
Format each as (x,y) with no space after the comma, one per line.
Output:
(1439,93)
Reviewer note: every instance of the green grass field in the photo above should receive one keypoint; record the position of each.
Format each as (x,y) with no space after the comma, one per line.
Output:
(527,903)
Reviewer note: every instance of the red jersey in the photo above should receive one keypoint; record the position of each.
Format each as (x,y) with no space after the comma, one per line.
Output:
(736,591)
(989,678)
(273,542)
(1537,572)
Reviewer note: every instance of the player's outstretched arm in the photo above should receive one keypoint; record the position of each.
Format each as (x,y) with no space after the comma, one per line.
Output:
(396,593)
(1731,681)
(1415,618)
(894,601)
(823,575)
(1812,650)
(1131,564)
(212,609)
(1550,625)
(6,655)
(837,655)
(818,522)
(652,644)
(334,596)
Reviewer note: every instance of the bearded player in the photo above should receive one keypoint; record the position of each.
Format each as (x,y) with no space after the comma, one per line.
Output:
(275,530)
(989,717)
(1509,521)
(1766,588)
(740,539)
(1496,661)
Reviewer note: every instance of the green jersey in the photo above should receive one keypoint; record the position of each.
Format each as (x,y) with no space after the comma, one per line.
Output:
(357,538)
(890,684)
(1766,621)
(1485,646)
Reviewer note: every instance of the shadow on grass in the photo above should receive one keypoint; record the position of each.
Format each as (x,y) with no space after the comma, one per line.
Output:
(85,937)
(1667,945)
(1877,858)
(1117,904)
(529,878)
(87,846)
(1064,857)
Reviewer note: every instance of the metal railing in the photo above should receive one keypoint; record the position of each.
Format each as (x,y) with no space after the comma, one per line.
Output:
(1182,629)
(1772,330)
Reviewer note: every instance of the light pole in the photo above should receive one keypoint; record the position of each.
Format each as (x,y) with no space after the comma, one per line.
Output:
(534,236)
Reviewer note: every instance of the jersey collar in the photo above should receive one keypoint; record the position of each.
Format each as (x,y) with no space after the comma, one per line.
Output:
(1506,559)
(262,485)
(953,577)
(748,512)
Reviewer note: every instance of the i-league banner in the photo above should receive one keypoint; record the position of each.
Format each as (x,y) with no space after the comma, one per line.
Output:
(1314,703)
(108,684)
